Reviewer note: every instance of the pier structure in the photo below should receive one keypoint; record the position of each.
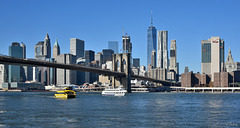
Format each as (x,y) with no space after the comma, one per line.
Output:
(205,89)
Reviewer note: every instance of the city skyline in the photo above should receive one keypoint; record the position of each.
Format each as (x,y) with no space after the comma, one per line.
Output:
(187,26)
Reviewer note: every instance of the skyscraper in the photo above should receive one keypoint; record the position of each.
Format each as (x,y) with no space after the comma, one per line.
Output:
(23,70)
(89,56)
(56,50)
(113,45)
(39,50)
(47,47)
(212,56)
(3,74)
(151,42)
(186,70)
(65,76)
(77,47)
(43,49)
(24,50)
(173,56)
(14,71)
(230,65)
(107,55)
(153,58)
(127,45)
(162,51)
(136,62)
(173,67)
(99,57)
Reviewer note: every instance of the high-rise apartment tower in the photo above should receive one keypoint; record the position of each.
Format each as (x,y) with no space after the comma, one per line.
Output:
(162,50)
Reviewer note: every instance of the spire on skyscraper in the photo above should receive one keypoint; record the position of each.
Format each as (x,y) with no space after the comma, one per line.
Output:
(56,43)
(47,36)
(151,19)
(229,57)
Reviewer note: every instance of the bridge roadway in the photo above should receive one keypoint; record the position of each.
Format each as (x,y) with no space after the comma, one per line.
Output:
(35,63)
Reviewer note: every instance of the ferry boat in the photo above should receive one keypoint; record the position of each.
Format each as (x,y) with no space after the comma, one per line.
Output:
(114,92)
(65,94)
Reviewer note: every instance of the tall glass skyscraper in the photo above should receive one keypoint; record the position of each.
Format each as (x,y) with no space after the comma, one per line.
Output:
(151,41)
(113,45)
(14,71)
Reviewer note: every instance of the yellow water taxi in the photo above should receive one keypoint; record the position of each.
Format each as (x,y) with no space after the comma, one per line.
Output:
(65,94)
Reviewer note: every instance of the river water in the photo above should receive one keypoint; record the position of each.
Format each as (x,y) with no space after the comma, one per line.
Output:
(40,109)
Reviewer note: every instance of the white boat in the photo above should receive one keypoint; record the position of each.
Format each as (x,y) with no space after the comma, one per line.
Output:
(114,92)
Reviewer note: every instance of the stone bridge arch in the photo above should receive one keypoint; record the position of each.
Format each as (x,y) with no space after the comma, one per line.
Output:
(122,63)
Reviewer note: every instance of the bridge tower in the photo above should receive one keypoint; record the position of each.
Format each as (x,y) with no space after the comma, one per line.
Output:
(122,63)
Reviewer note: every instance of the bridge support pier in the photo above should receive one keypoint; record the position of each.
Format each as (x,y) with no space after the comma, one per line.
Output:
(122,63)
(122,81)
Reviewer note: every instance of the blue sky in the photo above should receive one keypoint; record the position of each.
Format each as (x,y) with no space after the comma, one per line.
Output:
(99,21)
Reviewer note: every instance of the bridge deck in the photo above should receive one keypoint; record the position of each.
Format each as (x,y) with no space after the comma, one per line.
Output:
(35,63)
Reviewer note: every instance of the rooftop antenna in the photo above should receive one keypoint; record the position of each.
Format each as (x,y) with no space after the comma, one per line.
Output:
(123,31)
(151,19)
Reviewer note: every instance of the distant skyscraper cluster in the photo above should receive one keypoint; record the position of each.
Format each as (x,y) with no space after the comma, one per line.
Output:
(214,71)
(162,63)
(157,55)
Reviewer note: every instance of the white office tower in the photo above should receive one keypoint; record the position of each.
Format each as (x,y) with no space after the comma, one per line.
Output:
(212,56)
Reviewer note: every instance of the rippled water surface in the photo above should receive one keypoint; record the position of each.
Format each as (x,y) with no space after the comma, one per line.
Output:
(31,109)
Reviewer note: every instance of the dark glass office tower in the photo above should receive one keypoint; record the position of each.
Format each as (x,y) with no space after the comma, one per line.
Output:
(15,50)
(113,45)
(89,56)
(151,41)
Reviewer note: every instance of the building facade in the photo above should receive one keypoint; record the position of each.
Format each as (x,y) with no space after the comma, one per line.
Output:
(89,56)
(47,47)
(65,76)
(24,50)
(230,65)
(99,58)
(81,75)
(39,50)
(151,43)
(3,74)
(43,49)
(173,67)
(127,45)
(14,74)
(107,55)
(77,47)
(56,50)
(153,58)
(113,45)
(212,56)
(162,50)
(136,62)
(221,79)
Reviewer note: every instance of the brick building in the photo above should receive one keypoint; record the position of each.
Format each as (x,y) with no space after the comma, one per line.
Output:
(223,79)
